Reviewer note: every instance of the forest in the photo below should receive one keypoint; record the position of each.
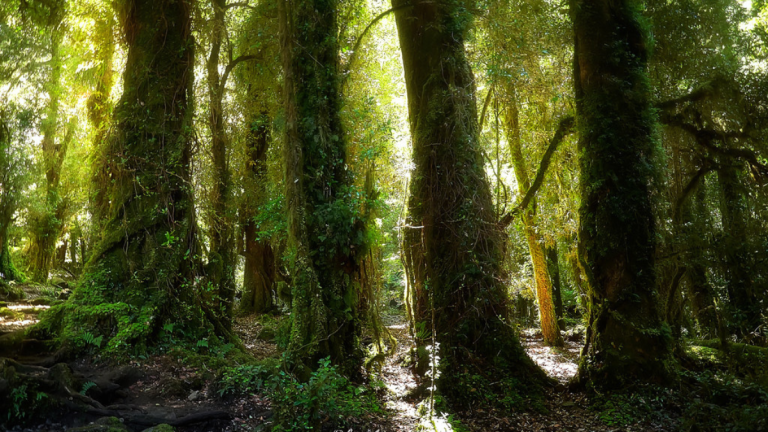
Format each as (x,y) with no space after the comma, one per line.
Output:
(370,215)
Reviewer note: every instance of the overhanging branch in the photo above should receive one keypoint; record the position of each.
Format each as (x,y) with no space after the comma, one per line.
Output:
(564,129)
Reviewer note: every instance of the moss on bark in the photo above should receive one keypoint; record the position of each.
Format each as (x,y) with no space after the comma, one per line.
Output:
(142,273)
(325,231)
(457,258)
(627,339)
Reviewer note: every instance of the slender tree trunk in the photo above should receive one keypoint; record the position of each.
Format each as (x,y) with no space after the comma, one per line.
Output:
(8,204)
(451,208)
(544,293)
(741,291)
(322,229)
(553,264)
(46,225)
(221,262)
(260,272)
(627,340)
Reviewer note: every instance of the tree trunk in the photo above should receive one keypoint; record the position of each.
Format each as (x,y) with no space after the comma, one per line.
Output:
(553,264)
(451,210)
(627,340)
(746,320)
(8,204)
(544,292)
(46,225)
(323,231)
(260,272)
(143,271)
(221,260)
(99,117)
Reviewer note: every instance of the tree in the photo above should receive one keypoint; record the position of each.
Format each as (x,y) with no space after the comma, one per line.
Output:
(49,222)
(325,232)
(544,289)
(456,261)
(143,269)
(626,337)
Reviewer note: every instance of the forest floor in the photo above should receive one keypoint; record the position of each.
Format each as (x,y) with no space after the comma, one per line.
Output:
(174,390)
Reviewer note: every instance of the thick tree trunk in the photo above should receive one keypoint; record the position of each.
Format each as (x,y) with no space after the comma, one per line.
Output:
(260,272)
(322,229)
(544,292)
(451,210)
(627,339)
(99,117)
(143,271)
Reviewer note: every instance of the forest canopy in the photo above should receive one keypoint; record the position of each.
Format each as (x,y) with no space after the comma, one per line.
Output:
(405,215)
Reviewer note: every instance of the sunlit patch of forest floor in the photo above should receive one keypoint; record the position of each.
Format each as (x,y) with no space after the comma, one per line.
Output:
(563,410)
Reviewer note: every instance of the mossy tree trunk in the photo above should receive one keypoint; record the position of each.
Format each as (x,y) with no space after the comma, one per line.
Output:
(745,309)
(700,291)
(99,111)
(48,222)
(627,339)
(142,272)
(544,291)
(8,202)
(553,264)
(259,272)
(451,206)
(221,259)
(325,237)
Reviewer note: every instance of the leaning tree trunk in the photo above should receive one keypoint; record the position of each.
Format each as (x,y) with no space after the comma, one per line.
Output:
(544,291)
(451,205)
(626,338)
(324,235)
(142,272)
(259,274)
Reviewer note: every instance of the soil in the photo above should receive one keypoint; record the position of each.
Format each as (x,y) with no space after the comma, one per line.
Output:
(162,389)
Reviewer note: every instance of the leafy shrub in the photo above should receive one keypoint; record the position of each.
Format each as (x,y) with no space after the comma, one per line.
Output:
(326,398)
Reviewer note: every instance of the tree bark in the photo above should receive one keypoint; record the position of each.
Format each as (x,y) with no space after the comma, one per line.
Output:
(47,224)
(324,235)
(544,292)
(221,260)
(144,271)
(627,340)
(260,273)
(742,298)
(451,212)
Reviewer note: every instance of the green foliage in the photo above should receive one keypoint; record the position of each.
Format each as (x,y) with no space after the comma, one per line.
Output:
(327,398)
(25,402)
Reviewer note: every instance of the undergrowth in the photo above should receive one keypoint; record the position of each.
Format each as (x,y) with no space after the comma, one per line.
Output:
(327,398)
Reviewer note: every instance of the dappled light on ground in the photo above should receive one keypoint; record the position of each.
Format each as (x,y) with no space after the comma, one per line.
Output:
(559,363)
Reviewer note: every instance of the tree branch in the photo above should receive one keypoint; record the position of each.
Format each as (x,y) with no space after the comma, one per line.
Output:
(231,66)
(564,128)
(360,38)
